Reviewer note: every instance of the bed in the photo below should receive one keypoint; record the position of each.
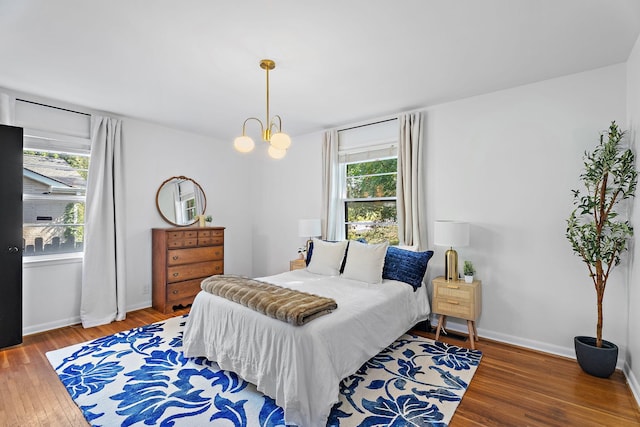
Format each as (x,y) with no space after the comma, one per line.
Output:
(301,366)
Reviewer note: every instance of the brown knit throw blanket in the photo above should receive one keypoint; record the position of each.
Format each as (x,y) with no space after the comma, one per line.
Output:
(289,305)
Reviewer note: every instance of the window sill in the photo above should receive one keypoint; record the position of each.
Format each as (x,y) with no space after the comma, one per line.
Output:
(45,260)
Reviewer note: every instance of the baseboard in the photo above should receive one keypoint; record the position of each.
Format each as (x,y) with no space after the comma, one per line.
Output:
(632,381)
(43,327)
(61,323)
(568,352)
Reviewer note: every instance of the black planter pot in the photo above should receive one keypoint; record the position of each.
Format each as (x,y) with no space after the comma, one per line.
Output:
(596,361)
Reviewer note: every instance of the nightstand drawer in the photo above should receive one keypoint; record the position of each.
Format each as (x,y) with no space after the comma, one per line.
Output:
(454,291)
(452,307)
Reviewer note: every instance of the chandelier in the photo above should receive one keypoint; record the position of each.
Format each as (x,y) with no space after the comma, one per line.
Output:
(278,140)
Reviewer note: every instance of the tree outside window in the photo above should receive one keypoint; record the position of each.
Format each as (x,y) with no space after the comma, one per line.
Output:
(370,205)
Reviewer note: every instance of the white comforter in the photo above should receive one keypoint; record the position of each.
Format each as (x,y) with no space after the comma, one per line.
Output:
(301,366)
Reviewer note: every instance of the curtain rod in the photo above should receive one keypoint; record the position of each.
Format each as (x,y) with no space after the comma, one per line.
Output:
(368,124)
(51,106)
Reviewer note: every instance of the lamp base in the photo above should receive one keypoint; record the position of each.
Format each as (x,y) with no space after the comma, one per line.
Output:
(451,265)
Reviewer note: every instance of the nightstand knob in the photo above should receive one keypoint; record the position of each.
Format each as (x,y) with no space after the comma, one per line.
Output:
(453,287)
(453,302)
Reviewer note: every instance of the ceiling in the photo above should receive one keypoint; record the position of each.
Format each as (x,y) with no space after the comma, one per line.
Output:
(193,64)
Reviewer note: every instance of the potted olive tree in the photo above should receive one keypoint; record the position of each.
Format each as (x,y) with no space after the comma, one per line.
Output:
(599,236)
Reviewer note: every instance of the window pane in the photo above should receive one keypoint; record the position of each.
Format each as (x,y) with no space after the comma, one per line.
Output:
(67,170)
(362,187)
(372,179)
(54,186)
(374,167)
(374,221)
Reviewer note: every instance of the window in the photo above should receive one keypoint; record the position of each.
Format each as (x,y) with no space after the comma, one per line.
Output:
(54,188)
(370,204)
(55,169)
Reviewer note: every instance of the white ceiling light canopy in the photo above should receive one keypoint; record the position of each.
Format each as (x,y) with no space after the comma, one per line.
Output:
(278,141)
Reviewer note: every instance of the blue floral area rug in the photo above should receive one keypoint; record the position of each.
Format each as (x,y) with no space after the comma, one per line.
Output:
(141,378)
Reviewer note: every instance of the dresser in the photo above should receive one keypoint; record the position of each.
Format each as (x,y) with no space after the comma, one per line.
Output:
(456,298)
(182,258)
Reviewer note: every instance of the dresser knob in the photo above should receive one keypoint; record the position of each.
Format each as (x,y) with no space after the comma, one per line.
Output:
(175,292)
(176,274)
(175,257)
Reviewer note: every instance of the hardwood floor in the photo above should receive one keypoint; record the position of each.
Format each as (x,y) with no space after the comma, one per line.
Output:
(512,387)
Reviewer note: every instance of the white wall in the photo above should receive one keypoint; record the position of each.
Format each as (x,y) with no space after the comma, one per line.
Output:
(633,113)
(152,154)
(283,192)
(505,162)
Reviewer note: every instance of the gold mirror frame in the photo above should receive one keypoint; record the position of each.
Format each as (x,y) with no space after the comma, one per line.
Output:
(180,201)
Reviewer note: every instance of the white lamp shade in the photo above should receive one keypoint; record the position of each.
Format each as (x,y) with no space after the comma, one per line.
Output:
(309,228)
(276,153)
(451,233)
(243,144)
(280,140)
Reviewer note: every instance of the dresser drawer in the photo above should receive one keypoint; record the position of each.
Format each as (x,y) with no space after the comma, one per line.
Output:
(182,239)
(210,241)
(188,256)
(183,243)
(180,273)
(179,235)
(181,290)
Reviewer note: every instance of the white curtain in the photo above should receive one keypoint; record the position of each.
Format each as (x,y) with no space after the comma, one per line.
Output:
(332,209)
(412,226)
(103,270)
(7,109)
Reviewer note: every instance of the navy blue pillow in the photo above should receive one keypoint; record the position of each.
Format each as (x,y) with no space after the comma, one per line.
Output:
(406,266)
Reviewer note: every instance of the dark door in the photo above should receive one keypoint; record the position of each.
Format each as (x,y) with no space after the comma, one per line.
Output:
(10,235)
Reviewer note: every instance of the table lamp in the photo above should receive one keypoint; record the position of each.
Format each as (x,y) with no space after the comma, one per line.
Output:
(451,233)
(309,228)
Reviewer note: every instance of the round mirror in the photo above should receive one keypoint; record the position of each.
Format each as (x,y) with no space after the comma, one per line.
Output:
(180,200)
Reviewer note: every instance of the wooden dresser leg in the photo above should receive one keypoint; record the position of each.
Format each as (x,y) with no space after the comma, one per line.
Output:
(472,337)
(440,322)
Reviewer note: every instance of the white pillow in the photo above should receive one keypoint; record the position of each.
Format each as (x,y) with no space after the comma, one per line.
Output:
(365,262)
(327,257)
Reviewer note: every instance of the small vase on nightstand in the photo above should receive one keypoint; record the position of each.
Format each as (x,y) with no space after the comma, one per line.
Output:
(468,279)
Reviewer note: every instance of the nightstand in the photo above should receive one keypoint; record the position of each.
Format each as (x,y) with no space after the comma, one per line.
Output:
(297,264)
(457,298)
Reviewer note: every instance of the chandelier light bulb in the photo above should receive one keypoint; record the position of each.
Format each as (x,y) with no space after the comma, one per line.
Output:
(243,144)
(276,153)
(280,140)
